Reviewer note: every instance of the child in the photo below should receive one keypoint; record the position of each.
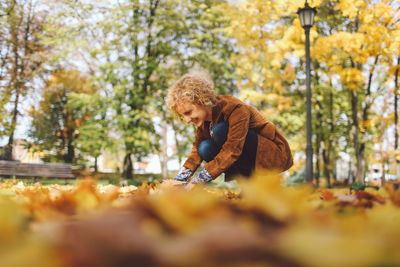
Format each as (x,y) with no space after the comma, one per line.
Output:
(232,137)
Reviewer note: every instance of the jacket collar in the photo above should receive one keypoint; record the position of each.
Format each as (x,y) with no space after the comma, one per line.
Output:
(216,111)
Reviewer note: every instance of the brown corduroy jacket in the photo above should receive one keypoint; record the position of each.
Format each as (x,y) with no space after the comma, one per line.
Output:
(273,150)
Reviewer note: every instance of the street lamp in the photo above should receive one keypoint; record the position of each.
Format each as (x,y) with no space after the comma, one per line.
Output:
(306,15)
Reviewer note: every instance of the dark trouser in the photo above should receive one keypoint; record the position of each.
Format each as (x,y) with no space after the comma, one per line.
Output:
(244,166)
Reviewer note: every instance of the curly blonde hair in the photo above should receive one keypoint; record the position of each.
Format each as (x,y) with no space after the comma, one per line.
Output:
(196,88)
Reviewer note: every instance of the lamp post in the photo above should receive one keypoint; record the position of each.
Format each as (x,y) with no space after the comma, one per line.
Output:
(306,15)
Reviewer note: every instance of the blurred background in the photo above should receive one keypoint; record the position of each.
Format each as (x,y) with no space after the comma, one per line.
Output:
(84,82)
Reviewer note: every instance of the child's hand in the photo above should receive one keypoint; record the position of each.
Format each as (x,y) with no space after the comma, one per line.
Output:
(202,178)
(183,175)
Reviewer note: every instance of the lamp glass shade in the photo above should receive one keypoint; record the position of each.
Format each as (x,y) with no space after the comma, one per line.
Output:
(306,15)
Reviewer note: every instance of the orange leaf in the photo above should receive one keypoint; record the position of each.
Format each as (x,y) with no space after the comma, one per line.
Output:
(393,188)
(326,195)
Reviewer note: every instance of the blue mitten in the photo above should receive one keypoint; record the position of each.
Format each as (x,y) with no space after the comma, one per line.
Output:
(202,178)
(183,174)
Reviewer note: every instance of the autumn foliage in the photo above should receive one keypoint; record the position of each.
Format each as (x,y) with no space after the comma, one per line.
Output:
(259,223)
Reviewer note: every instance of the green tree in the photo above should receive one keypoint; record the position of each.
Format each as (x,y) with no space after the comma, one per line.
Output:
(93,134)
(359,48)
(205,46)
(133,52)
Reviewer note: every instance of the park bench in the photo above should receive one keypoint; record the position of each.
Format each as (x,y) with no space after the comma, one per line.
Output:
(18,169)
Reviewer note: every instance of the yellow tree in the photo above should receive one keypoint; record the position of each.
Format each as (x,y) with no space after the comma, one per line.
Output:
(262,60)
(55,124)
(267,42)
(357,53)
(351,47)
(394,70)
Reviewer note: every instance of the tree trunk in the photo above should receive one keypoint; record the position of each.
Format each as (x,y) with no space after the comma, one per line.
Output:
(396,117)
(10,144)
(354,116)
(128,167)
(383,168)
(325,156)
(70,156)
(18,68)
(350,176)
(326,160)
(95,164)
(361,159)
(164,152)
(334,164)
(361,164)
(178,147)
(317,169)
(14,117)
(180,159)
(14,83)
(331,151)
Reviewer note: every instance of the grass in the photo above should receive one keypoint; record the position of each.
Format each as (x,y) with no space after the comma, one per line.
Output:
(101,178)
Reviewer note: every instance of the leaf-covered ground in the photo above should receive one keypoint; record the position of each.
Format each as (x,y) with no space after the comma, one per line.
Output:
(259,223)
